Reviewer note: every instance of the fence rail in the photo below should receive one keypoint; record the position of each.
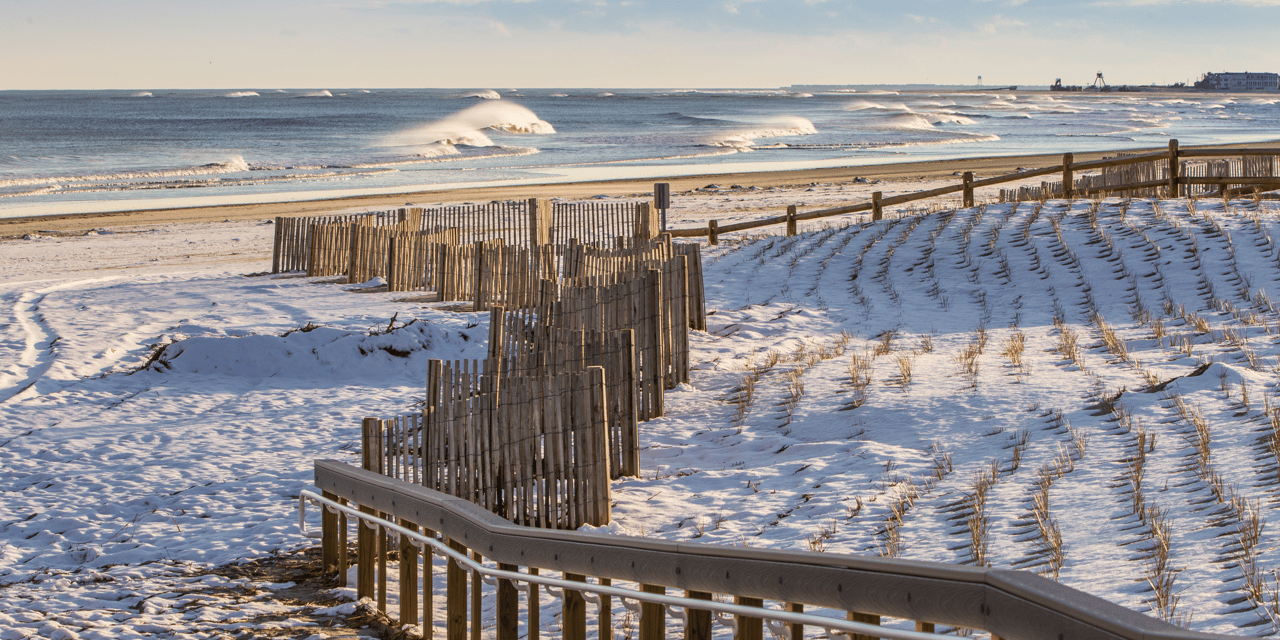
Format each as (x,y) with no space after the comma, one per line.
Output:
(1172,182)
(1012,605)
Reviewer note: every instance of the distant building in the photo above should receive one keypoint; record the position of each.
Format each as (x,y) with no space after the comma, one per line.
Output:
(1240,82)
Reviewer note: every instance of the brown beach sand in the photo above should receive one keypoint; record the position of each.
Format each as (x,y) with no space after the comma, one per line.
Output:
(906,172)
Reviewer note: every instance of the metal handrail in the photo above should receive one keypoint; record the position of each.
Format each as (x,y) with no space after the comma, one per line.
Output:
(832,625)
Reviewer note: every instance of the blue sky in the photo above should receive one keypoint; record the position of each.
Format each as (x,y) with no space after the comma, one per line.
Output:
(151,44)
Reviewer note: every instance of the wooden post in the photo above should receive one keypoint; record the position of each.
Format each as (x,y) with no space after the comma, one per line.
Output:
(367,540)
(574,618)
(1175,168)
(646,222)
(508,614)
(924,627)
(456,597)
(653,617)
(968,188)
(876,212)
(275,247)
(605,615)
(699,624)
(408,577)
(713,233)
(428,592)
(797,630)
(1068,177)
(749,628)
(791,220)
(540,220)
(328,536)
(867,618)
(343,560)
(535,608)
(477,586)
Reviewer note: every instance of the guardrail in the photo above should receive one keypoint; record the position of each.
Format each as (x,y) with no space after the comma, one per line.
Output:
(967,185)
(1009,604)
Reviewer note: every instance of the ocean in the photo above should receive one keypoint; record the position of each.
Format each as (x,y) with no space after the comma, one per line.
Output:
(93,151)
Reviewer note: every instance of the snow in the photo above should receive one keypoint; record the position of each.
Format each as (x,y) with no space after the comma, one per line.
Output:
(160,408)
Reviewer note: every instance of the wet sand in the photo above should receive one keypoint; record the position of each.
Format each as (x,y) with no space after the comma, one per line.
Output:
(936,170)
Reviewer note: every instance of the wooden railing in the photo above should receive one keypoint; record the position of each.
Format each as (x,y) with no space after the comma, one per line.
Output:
(1066,170)
(862,591)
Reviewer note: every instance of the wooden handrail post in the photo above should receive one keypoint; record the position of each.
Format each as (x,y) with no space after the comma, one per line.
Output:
(791,220)
(328,536)
(574,618)
(535,608)
(428,592)
(508,615)
(749,628)
(924,627)
(367,540)
(876,212)
(383,542)
(343,560)
(1175,168)
(713,234)
(698,626)
(867,618)
(456,597)
(605,616)
(477,586)
(408,577)
(968,188)
(1068,179)
(653,617)
(797,630)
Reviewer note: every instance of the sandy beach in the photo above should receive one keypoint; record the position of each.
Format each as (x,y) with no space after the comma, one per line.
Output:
(692,202)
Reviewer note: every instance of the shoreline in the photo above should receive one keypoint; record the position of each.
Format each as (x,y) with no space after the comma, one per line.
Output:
(936,170)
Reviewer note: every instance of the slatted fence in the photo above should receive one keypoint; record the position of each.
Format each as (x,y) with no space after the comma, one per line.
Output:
(1150,179)
(532,449)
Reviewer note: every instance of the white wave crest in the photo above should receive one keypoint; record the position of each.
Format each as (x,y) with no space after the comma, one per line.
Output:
(863,105)
(939,118)
(486,94)
(324,93)
(782,127)
(466,127)
(234,164)
(142,94)
(240,94)
(904,121)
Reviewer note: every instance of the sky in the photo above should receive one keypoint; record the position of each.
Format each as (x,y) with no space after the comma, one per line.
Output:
(500,44)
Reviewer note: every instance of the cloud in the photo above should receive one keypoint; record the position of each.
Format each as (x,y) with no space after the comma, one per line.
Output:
(999,22)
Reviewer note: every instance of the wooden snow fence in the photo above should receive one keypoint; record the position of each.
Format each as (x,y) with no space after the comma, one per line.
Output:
(519,346)
(640,303)
(603,222)
(369,256)
(413,258)
(532,449)
(293,248)
(509,275)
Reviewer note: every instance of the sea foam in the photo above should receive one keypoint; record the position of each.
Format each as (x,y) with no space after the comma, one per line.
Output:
(466,127)
(782,127)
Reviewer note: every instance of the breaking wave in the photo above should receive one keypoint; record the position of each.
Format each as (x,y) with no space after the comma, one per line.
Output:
(240,94)
(466,127)
(782,127)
